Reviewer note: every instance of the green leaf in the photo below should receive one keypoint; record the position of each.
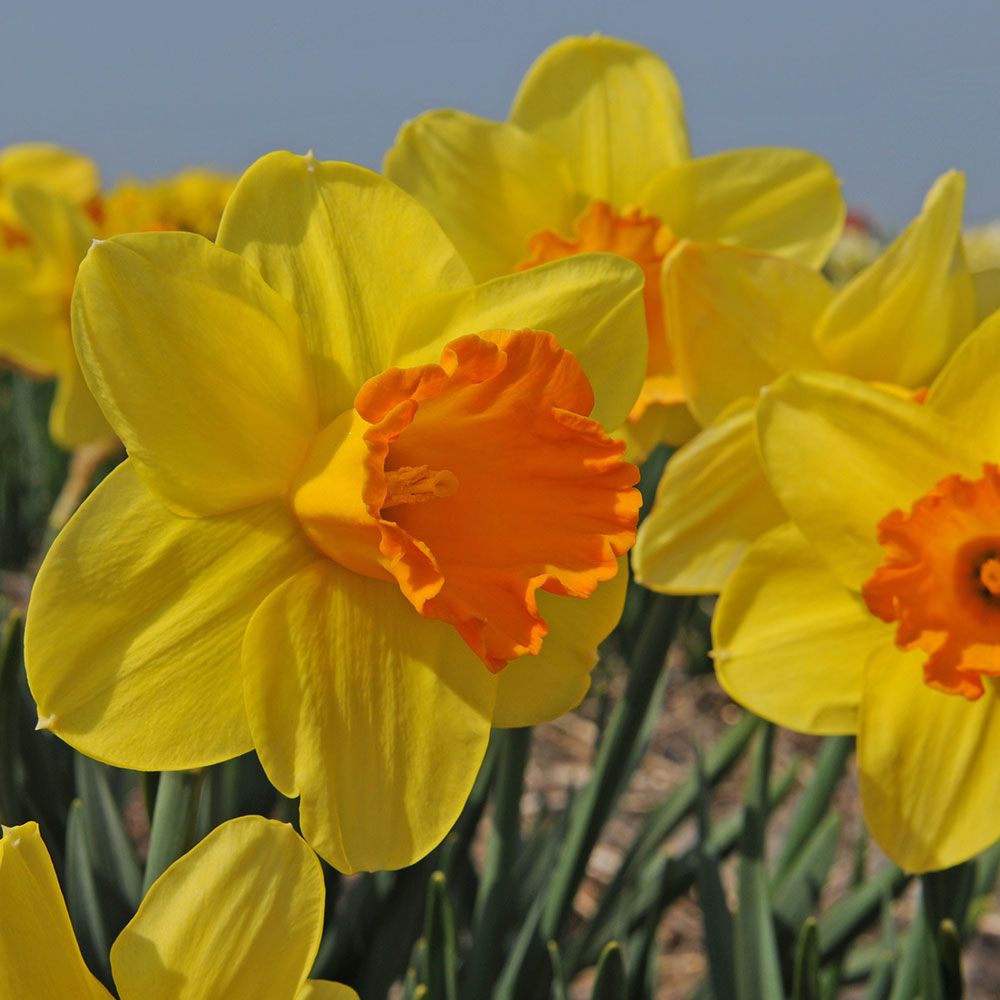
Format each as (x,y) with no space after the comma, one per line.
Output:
(805,979)
(757,963)
(617,750)
(609,983)
(813,803)
(558,974)
(948,894)
(111,848)
(715,915)
(910,978)
(400,916)
(950,955)
(439,931)
(846,918)
(174,817)
(665,878)
(796,895)
(83,900)
(11,646)
(494,900)
(659,825)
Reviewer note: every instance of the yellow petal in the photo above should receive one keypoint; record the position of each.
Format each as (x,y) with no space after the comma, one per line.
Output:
(76,418)
(490,185)
(986,284)
(377,717)
(672,424)
(320,989)
(968,388)
(592,303)
(240,915)
(200,368)
(735,319)
(784,201)
(928,763)
(136,621)
(39,956)
(34,317)
(60,232)
(52,167)
(900,319)
(790,640)
(349,250)
(613,109)
(712,502)
(840,455)
(536,689)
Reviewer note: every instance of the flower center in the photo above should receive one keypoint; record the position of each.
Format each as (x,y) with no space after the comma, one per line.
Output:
(472,484)
(940,581)
(645,241)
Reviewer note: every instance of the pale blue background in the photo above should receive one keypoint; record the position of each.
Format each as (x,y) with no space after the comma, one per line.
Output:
(892,91)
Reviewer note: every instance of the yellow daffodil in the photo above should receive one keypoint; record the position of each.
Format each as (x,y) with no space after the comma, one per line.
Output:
(876,610)
(73,176)
(982,245)
(363,502)
(595,157)
(36,285)
(52,231)
(191,202)
(238,916)
(737,320)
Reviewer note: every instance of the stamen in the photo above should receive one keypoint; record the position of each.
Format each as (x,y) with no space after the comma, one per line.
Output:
(989,575)
(417,484)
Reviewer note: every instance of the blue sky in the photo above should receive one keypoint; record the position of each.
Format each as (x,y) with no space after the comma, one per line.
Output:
(892,91)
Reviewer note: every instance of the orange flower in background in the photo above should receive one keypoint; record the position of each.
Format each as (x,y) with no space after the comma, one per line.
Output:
(595,156)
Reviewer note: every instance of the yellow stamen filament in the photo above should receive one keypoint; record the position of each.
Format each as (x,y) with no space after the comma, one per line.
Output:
(417,484)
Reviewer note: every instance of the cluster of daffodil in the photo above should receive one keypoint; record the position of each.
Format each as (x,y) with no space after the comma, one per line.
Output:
(381,487)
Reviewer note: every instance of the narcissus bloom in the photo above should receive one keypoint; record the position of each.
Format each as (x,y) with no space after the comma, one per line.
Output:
(238,916)
(595,157)
(50,222)
(875,610)
(191,202)
(67,173)
(363,503)
(739,319)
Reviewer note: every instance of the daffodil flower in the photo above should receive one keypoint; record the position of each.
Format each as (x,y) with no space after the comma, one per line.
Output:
(36,286)
(50,212)
(876,609)
(190,201)
(595,157)
(238,916)
(69,174)
(738,319)
(364,503)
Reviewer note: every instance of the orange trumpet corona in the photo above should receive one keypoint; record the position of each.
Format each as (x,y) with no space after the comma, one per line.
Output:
(473,483)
